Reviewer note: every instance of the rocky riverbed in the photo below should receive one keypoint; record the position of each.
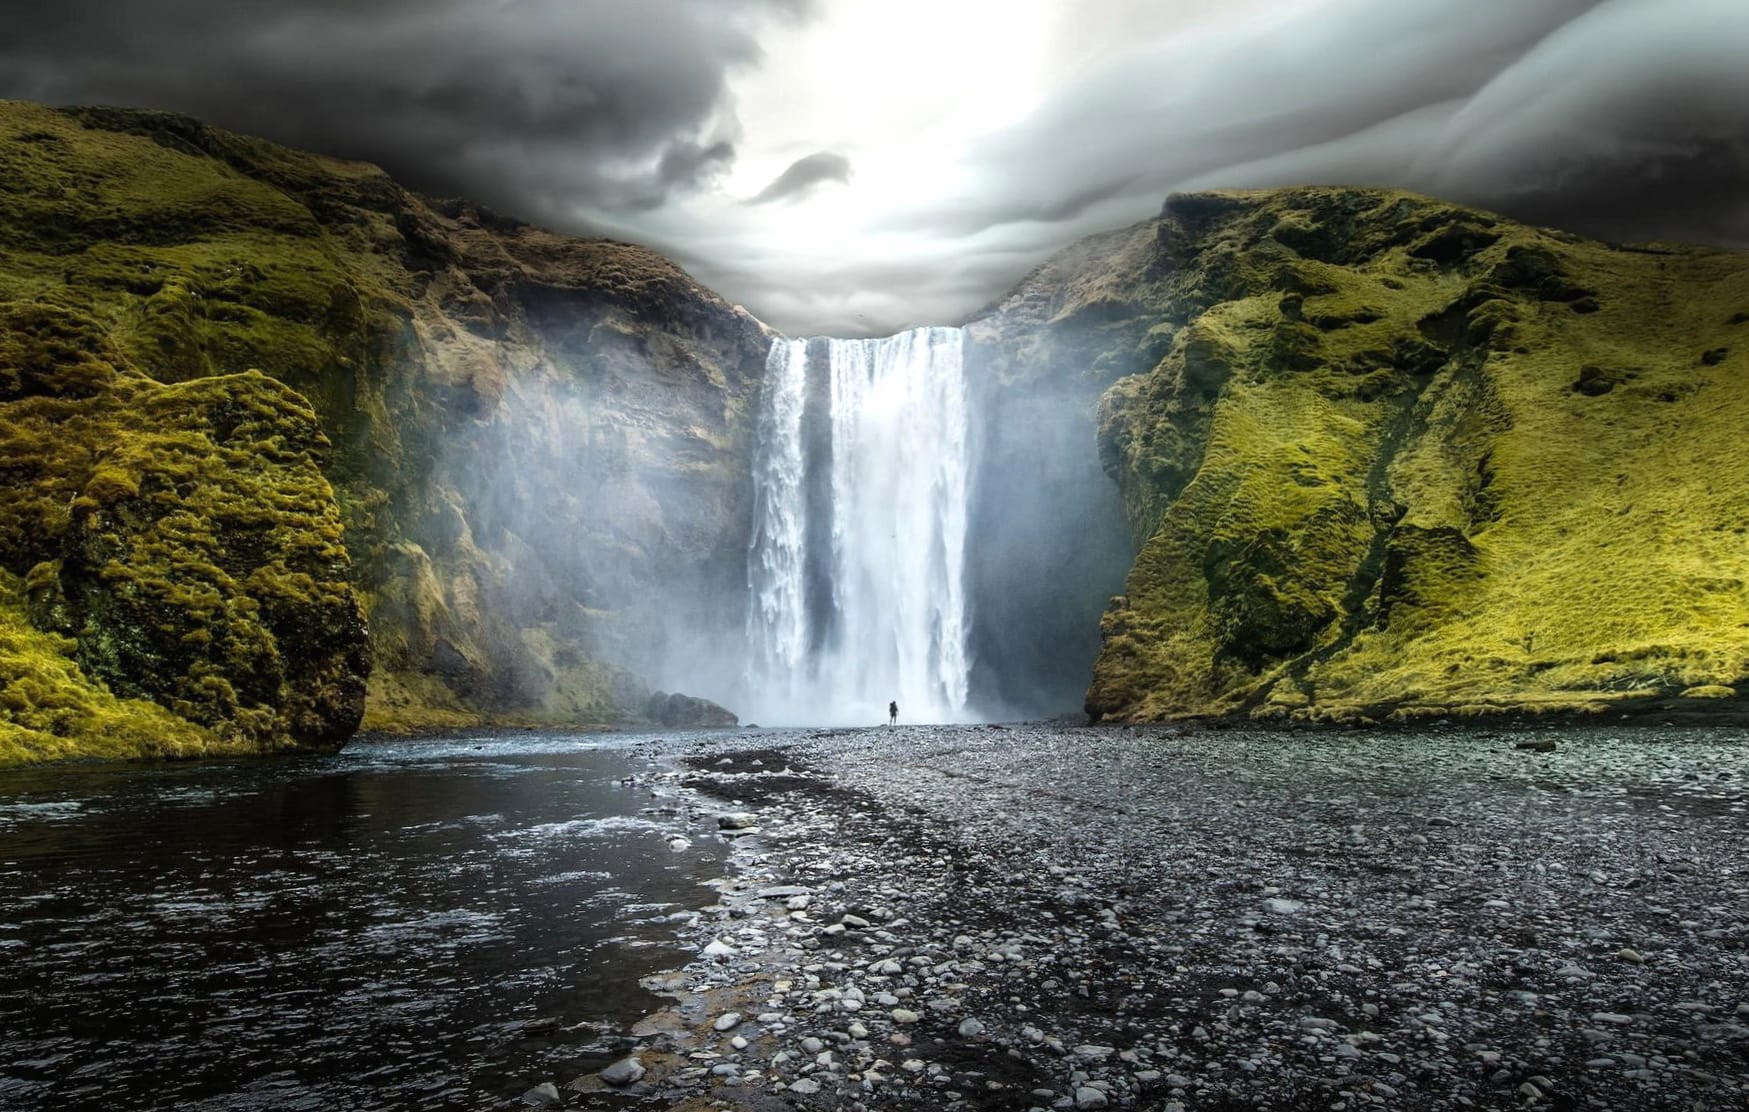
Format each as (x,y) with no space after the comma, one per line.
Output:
(1038,917)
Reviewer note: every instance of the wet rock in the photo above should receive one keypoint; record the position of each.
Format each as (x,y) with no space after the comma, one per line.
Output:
(718,950)
(677,711)
(626,1071)
(544,1095)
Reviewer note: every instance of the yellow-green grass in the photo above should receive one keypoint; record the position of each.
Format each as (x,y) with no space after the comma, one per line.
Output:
(1406,465)
(51,710)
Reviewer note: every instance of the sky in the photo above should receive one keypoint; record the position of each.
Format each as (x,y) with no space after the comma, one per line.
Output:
(852,167)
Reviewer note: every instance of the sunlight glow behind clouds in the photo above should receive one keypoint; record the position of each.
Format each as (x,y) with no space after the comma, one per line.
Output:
(945,146)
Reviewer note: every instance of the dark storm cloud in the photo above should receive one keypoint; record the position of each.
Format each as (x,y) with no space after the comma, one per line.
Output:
(539,106)
(1627,118)
(1622,118)
(802,176)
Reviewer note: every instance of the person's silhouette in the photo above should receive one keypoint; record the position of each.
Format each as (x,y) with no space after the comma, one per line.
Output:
(893,712)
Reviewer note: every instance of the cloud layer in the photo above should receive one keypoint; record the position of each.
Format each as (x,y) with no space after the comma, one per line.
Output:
(544,107)
(1622,118)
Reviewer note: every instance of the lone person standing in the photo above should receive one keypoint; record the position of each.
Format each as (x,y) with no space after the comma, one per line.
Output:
(893,713)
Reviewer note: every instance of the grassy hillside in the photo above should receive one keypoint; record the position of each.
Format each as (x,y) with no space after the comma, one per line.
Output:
(535,439)
(1393,457)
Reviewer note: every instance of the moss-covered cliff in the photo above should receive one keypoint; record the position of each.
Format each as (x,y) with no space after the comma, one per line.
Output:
(1384,456)
(538,442)
(172,577)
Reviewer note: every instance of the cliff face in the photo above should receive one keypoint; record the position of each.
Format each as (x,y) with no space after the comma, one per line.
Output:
(1388,457)
(538,443)
(1047,526)
(1374,456)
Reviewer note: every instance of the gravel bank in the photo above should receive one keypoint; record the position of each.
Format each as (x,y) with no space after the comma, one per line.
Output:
(1036,917)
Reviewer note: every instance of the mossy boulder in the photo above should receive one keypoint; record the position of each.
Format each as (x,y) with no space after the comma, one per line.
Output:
(176,581)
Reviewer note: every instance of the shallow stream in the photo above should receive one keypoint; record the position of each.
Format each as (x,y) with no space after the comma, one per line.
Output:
(406,924)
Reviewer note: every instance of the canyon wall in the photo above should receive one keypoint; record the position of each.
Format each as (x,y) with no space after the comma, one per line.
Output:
(537,444)
(1389,458)
(1316,454)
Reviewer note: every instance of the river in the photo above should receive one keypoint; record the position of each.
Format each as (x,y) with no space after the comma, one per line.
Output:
(428,924)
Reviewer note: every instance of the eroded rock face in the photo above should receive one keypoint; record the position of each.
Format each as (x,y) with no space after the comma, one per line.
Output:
(1388,456)
(168,548)
(1046,524)
(540,444)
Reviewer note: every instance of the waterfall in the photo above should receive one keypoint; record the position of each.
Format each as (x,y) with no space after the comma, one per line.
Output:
(856,569)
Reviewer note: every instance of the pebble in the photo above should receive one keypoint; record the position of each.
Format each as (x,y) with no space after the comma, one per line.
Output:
(727,1020)
(1457,964)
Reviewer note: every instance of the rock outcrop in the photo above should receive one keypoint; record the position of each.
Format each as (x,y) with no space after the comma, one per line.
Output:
(1388,457)
(172,574)
(675,710)
(539,443)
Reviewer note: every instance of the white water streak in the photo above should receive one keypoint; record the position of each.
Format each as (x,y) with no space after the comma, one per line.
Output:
(777,629)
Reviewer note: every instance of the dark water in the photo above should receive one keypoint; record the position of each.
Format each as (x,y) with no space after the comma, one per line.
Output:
(407,924)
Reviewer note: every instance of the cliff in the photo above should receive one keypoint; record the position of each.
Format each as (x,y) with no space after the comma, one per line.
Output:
(537,444)
(1386,457)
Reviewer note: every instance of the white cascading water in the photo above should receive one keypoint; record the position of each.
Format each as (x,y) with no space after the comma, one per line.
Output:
(891,623)
(777,625)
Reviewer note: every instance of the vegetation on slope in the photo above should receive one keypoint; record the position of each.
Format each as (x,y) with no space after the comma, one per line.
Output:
(468,370)
(1404,458)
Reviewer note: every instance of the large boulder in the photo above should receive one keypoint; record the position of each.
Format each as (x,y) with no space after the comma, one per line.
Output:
(177,544)
(677,711)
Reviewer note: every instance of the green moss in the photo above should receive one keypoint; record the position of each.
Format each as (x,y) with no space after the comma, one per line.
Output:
(181,544)
(50,709)
(1450,464)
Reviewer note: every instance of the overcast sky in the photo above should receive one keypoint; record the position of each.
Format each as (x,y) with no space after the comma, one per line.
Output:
(856,166)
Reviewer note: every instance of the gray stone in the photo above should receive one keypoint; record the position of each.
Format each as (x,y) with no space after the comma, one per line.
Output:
(626,1071)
